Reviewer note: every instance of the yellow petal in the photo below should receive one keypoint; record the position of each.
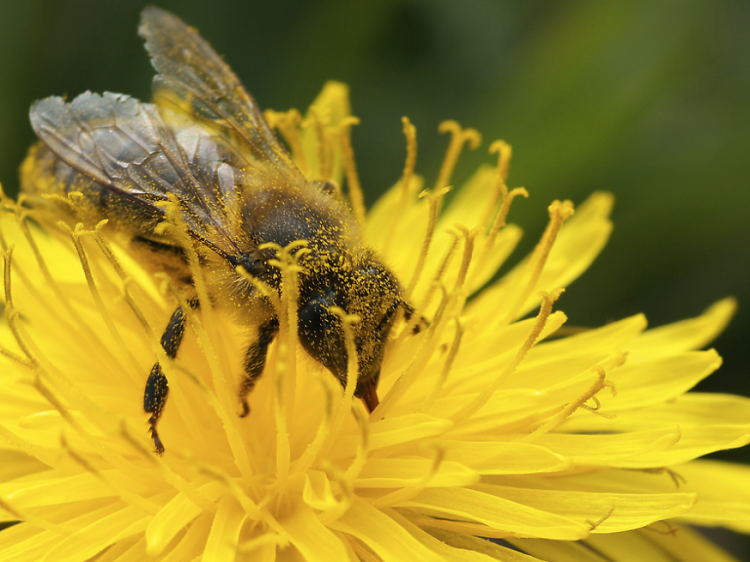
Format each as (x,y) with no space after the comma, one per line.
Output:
(635,449)
(455,548)
(314,540)
(396,473)
(225,530)
(610,512)
(389,540)
(507,517)
(176,515)
(498,457)
(724,491)
(685,335)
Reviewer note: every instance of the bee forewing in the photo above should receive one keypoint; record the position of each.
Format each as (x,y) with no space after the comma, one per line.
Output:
(124,146)
(195,80)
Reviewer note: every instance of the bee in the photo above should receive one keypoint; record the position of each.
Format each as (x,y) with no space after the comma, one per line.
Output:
(204,141)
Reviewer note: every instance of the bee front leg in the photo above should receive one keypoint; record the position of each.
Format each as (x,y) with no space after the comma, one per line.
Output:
(157,388)
(255,360)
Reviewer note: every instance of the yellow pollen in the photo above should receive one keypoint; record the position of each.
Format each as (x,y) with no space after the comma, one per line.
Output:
(352,178)
(459,137)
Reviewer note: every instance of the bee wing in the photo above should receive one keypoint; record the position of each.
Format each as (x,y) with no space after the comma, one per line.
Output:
(124,146)
(195,80)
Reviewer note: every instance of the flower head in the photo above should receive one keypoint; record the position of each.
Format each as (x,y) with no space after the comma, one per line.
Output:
(495,421)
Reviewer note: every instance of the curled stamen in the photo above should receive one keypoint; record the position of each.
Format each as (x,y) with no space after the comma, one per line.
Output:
(499,222)
(559,212)
(459,137)
(481,399)
(410,132)
(356,197)
(433,200)
(504,151)
(347,491)
(569,408)
(602,519)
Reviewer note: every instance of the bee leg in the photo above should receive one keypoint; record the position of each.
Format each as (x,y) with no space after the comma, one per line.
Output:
(157,389)
(255,360)
(419,326)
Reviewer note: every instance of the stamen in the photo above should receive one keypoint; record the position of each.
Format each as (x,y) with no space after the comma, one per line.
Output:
(436,281)
(208,338)
(52,283)
(602,519)
(433,200)
(306,460)
(63,530)
(421,358)
(558,212)
(352,374)
(504,152)
(285,375)
(103,312)
(248,505)
(288,124)
(459,137)
(481,399)
(354,470)
(410,132)
(569,408)
(49,457)
(7,261)
(170,477)
(466,261)
(333,513)
(325,150)
(447,366)
(355,189)
(128,497)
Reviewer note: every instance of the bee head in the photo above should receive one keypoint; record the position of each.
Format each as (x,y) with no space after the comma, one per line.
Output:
(371,292)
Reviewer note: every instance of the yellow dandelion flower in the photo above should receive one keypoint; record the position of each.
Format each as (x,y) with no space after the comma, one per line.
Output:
(500,434)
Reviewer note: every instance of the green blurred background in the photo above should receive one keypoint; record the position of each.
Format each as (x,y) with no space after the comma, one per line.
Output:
(646,99)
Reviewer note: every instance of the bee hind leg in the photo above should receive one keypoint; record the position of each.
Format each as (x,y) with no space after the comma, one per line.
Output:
(157,388)
(255,360)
